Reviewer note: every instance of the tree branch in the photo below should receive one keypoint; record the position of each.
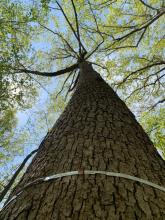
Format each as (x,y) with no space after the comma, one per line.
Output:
(157,103)
(59,35)
(98,31)
(147,5)
(129,46)
(77,26)
(139,70)
(64,84)
(74,32)
(143,27)
(38,83)
(8,186)
(49,74)
(144,86)
(75,83)
(103,5)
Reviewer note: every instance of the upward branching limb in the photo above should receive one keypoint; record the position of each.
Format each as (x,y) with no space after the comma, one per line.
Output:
(97,31)
(77,26)
(72,28)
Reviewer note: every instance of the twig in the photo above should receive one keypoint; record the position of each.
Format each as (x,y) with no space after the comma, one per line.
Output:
(46,119)
(103,67)
(144,87)
(69,89)
(103,5)
(72,83)
(159,102)
(143,27)
(64,84)
(75,83)
(59,35)
(147,5)
(98,31)
(39,83)
(139,70)
(90,54)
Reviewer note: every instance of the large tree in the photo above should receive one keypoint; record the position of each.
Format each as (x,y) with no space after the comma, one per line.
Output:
(96,132)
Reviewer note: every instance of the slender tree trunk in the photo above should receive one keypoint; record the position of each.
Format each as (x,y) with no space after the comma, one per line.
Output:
(95,132)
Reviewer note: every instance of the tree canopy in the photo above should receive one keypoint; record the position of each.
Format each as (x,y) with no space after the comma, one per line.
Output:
(43,39)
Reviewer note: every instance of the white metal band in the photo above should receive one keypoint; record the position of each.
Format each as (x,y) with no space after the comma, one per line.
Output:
(88,172)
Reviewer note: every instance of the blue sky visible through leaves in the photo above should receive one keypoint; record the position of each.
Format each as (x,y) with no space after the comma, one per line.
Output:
(27,119)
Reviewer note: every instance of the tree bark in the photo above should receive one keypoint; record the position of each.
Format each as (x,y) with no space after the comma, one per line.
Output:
(95,132)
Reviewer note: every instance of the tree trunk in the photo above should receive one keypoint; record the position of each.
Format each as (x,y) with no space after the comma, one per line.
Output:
(95,132)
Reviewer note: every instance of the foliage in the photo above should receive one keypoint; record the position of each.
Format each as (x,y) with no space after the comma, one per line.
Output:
(15,33)
(17,91)
(154,124)
(11,139)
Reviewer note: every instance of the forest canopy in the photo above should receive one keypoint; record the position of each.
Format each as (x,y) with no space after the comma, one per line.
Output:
(42,44)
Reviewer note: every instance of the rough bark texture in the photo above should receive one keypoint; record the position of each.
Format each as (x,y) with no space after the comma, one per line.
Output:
(95,132)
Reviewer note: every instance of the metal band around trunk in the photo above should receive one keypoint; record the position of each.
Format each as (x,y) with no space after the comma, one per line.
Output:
(87,172)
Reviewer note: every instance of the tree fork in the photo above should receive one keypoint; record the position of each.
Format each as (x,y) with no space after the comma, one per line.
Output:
(96,131)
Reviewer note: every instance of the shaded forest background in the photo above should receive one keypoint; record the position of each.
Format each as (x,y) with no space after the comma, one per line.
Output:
(123,39)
